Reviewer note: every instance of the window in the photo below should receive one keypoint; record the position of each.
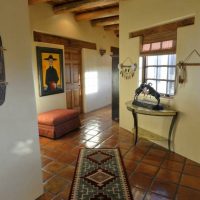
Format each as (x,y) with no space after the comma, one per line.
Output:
(91,82)
(160,70)
(159,46)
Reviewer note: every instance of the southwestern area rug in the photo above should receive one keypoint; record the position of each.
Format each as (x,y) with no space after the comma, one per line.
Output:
(100,175)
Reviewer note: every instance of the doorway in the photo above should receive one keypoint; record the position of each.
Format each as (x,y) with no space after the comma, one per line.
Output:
(73,79)
(115,83)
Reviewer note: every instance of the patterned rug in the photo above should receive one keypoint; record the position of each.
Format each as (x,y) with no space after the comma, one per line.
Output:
(100,175)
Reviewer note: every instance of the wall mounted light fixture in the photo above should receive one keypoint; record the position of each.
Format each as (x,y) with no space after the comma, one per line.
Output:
(102,51)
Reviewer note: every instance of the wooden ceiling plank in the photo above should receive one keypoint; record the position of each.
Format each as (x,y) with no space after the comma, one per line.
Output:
(107,12)
(67,42)
(82,5)
(163,28)
(31,2)
(105,21)
(111,27)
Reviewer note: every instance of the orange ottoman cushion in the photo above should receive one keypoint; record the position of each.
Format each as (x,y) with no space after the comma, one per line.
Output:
(55,123)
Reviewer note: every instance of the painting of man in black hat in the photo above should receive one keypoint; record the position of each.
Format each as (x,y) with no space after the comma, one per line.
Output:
(51,75)
(50,70)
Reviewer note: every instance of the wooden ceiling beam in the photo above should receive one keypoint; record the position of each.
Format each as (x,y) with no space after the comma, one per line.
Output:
(105,21)
(31,2)
(78,6)
(106,12)
(111,27)
(163,28)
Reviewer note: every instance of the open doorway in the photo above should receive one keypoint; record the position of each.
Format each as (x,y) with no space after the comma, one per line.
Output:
(115,83)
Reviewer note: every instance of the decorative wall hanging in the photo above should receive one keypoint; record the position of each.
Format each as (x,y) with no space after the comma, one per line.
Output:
(181,73)
(127,70)
(102,51)
(182,66)
(50,70)
(3,82)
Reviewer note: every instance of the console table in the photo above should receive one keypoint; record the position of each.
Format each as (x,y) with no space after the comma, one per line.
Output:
(144,111)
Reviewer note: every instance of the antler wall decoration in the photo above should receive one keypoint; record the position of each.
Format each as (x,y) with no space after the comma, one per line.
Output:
(127,71)
(182,66)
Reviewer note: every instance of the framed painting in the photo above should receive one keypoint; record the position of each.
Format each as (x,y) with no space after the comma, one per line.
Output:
(50,70)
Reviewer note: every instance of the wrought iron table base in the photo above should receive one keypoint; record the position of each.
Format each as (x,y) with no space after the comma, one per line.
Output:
(135,117)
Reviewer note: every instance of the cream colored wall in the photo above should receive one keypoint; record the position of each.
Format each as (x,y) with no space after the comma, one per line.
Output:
(44,20)
(93,62)
(49,102)
(144,14)
(20,164)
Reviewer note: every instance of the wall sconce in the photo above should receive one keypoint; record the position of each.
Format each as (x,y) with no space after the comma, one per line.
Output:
(102,51)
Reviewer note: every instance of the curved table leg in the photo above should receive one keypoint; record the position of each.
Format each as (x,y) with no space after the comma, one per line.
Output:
(170,131)
(135,125)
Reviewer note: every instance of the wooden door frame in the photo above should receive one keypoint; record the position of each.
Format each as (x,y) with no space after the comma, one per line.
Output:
(81,78)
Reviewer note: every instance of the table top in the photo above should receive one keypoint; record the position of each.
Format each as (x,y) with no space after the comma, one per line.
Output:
(146,111)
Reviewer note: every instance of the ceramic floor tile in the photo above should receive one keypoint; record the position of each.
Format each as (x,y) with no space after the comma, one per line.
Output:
(89,144)
(64,194)
(138,194)
(96,139)
(128,173)
(55,185)
(52,145)
(169,176)
(123,151)
(152,160)
(54,167)
(140,149)
(52,154)
(190,162)
(92,132)
(46,175)
(157,153)
(137,155)
(110,142)
(144,144)
(75,151)
(67,146)
(192,170)
(45,161)
(176,157)
(147,169)
(140,181)
(190,181)
(43,141)
(164,188)
(67,172)
(185,193)
(124,145)
(46,196)
(66,158)
(153,196)
(130,165)
(172,165)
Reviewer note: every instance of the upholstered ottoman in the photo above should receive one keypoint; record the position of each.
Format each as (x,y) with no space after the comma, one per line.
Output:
(56,123)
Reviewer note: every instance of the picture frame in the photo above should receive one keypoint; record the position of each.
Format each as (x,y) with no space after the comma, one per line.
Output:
(50,70)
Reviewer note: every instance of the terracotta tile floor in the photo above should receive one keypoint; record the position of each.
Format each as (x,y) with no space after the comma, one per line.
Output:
(154,173)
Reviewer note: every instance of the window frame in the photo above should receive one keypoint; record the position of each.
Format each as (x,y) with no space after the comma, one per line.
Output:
(144,75)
